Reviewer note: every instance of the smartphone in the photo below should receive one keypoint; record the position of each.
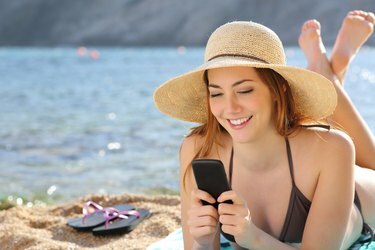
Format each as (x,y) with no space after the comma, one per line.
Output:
(210,177)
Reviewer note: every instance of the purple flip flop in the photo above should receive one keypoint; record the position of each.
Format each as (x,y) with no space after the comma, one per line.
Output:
(97,217)
(121,222)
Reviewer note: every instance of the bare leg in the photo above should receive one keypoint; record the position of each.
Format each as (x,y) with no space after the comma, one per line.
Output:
(346,115)
(355,30)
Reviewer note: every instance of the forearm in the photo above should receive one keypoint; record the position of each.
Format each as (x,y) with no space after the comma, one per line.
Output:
(215,245)
(196,246)
(354,228)
(348,117)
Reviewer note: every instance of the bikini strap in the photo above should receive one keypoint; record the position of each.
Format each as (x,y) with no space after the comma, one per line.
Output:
(231,168)
(289,152)
(290,160)
(328,127)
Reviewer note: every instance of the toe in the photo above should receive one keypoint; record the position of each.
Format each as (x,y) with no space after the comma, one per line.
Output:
(370,17)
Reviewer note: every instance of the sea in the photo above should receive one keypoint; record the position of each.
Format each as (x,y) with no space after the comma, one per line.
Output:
(79,121)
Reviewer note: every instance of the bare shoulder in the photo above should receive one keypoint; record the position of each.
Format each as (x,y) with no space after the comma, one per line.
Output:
(331,157)
(327,141)
(316,148)
(193,143)
(189,148)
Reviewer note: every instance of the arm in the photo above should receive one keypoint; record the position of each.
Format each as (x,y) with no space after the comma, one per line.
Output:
(197,221)
(332,202)
(348,117)
(327,225)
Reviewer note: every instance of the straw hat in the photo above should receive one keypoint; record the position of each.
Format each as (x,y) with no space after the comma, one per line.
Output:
(244,44)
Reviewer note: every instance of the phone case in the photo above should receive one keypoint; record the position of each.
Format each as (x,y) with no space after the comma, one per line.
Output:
(210,177)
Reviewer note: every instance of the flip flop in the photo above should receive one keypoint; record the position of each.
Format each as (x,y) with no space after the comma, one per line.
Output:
(96,217)
(123,222)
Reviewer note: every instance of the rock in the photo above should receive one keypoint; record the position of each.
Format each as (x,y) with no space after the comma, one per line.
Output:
(159,22)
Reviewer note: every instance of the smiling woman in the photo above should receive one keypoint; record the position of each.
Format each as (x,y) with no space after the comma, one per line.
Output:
(261,80)
(243,107)
(267,122)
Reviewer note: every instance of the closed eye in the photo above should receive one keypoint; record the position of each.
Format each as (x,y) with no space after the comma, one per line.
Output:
(245,91)
(215,95)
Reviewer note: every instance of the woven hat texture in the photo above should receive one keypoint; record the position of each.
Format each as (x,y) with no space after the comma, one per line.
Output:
(247,44)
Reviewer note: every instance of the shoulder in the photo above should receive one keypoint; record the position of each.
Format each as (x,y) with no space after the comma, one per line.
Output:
(316,151)
(332,147)
(326,140)
(193,144)
(332,156)
(338,141)
(189,148)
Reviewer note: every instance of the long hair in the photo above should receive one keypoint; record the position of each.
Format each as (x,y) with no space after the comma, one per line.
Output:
(286,123)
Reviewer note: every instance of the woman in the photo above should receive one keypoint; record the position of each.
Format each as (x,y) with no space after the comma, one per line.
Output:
(290,183)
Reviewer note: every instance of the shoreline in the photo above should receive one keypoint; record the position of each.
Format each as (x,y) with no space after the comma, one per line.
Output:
(44,199)
(44,227)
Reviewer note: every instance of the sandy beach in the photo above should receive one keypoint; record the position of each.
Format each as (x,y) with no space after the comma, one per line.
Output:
(44,227)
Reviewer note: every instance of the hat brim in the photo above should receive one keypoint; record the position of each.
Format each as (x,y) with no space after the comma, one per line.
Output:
(185,97)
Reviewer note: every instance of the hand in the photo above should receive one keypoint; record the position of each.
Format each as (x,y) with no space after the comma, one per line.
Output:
(235,218)
(202,220)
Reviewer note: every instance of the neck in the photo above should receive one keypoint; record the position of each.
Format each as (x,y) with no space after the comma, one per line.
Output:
(261,155)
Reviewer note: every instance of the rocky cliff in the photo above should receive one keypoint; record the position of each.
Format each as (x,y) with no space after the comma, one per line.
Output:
(159,22)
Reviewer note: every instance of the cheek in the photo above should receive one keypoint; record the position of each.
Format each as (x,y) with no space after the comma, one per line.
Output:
(215,107)
(264,104)
(255,103)
(270,108)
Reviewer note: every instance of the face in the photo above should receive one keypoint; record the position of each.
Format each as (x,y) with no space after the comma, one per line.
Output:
(241,102)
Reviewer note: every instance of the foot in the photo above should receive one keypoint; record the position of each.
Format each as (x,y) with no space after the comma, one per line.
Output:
(312,46)
(355,30)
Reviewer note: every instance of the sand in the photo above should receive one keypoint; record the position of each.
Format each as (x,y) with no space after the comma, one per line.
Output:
(44,227)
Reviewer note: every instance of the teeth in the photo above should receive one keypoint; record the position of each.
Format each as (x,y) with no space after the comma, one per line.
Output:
(240,121)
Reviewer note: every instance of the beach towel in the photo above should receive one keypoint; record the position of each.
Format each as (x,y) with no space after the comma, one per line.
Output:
(174,241)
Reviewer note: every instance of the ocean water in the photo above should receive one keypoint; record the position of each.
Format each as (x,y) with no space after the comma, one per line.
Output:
(74,124)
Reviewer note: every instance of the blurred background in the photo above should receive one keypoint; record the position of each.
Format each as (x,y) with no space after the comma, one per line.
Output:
(77,77)
(160,22)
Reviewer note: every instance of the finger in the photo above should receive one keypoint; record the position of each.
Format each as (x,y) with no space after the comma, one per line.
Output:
(197,195)
(203,211)
(202,231)
(233,209)
(231,195)
(228,220)
(229,229)
(202,221)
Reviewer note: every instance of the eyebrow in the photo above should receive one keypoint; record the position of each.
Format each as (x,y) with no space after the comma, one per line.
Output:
(212,85)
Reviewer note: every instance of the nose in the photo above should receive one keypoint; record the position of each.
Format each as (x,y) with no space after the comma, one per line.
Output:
(232,105)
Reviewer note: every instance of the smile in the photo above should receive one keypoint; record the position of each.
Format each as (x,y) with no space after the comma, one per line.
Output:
(239,122)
